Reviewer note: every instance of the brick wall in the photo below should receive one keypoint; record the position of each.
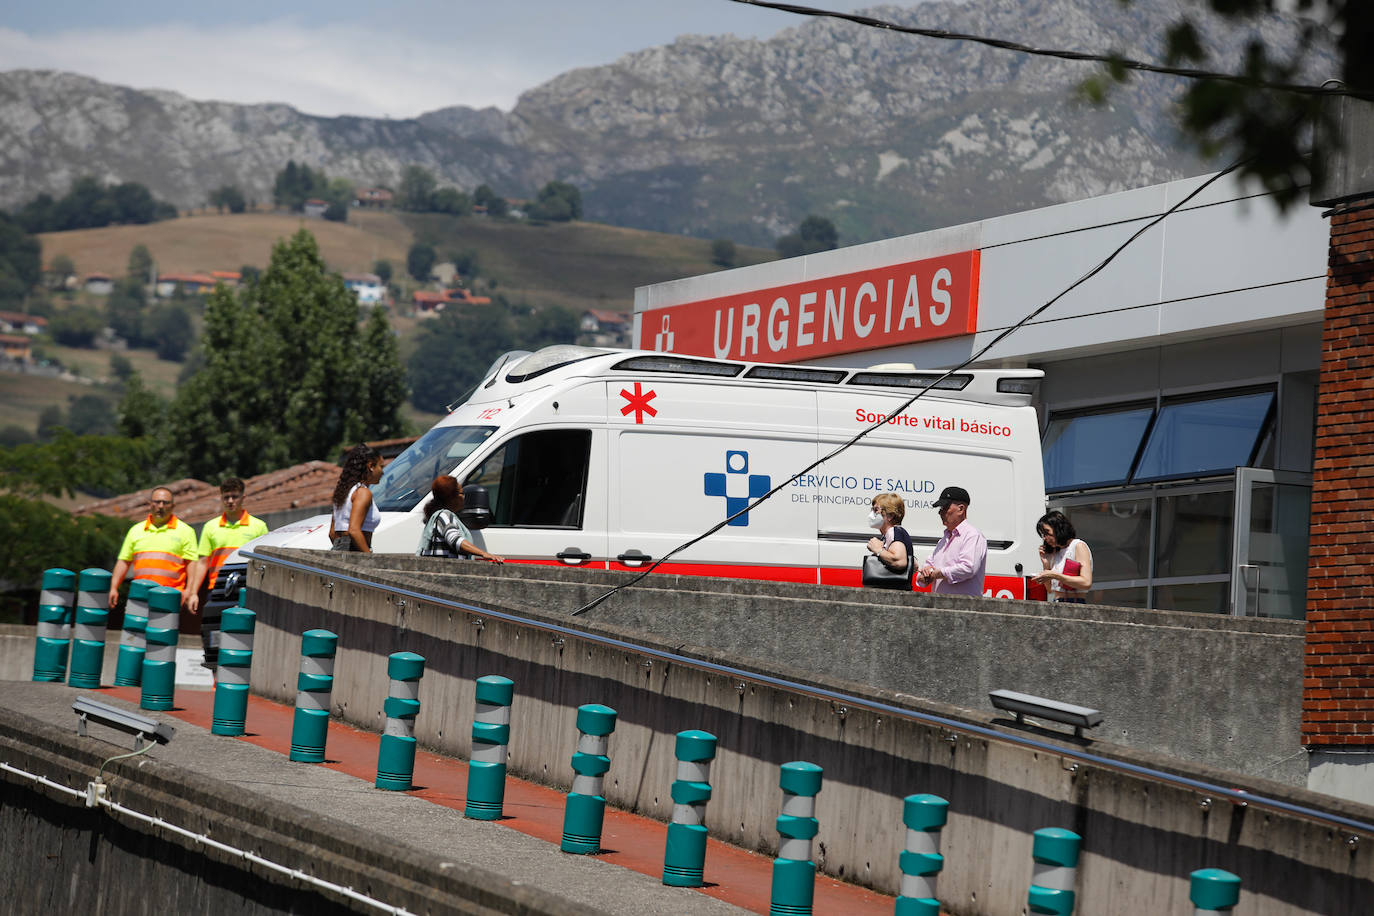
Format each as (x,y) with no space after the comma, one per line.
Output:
(1338,681)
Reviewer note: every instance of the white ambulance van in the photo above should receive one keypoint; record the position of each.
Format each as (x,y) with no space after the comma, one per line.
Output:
(609,459)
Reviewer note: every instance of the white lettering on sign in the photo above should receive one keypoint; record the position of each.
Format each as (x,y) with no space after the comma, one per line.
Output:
(885,306)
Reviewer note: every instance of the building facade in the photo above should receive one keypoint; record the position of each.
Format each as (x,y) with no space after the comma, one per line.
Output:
(1178,404)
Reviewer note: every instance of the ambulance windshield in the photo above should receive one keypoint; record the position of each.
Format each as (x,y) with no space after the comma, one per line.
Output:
(406,480)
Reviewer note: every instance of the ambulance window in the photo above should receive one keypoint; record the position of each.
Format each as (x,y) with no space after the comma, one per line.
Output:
(407,478)
(538,480)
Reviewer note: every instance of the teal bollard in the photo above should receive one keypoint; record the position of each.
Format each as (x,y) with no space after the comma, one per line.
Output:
(160,659)
(310,728)
(684,855)
(1055,853)
(1213,891)
(396,755)
(230,715)
(924,817)
(490,736)
(585,811)
(794,874)
(88,635)
(54,630)
(133,642)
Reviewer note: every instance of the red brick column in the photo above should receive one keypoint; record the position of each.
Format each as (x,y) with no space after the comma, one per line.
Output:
(1338,676)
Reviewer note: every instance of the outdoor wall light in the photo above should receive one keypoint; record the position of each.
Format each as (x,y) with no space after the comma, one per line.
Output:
(141,727)
(1024,704)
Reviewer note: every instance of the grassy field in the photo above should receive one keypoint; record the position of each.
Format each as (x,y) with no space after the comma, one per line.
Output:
(577,265)
(23,397)
(206,242)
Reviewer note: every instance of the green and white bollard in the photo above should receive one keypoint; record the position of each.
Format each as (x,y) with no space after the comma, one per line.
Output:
(1055,853)
(133,642)
(924,817)
(232,673)
(310,728)
(396,756)
(88,635)
(54,630)
(160,659)
(684,856)
(586,807)
(794,874)
(490,736)
(1214,891)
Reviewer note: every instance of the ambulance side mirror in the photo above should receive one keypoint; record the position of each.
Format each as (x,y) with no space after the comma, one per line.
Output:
(476,512)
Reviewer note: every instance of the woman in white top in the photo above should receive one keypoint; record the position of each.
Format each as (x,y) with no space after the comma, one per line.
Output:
(1059,544)
(355,517)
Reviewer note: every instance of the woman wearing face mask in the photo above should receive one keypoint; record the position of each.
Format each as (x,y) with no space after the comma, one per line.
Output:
(892,544)
(1068,562)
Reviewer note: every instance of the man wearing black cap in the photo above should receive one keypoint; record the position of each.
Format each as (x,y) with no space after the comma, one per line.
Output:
(960,560)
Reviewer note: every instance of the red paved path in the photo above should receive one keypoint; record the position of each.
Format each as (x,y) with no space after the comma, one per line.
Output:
(733,875)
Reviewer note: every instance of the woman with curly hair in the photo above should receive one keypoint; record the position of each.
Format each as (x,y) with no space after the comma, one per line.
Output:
(355,517)
(445,534)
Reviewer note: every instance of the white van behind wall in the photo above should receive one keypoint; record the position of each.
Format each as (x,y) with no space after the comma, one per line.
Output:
(610,459)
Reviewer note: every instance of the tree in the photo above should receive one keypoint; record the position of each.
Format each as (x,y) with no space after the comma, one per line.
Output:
(91,415)
(466,261)
(78,326)
(557,201)
(50,420)
(170,331)
(452,200)
(124,310)
(21,259)
(723,252)
(295,184)
(336,212)
(140,264)
(484,196)
(816,233)
(283,379)
(382,269)
(12,434)
(121,367)
(71,463)
(417,189)
(228,197)
(39,536)
(141,413)
(420,261)
(382,383)
(61,267)
(1268,129)
(133,203)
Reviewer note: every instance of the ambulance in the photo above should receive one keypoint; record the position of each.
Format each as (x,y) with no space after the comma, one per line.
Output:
(612,459)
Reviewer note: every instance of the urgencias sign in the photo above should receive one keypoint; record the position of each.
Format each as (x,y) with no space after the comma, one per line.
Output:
(881,307)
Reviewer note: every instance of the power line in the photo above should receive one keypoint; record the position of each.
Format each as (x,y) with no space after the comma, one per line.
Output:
(1109,59)
(977,355)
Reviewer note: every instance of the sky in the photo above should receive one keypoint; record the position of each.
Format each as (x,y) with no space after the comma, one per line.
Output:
(397,59)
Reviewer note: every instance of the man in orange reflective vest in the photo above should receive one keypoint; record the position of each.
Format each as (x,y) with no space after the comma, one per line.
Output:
(161,548)
(220,538)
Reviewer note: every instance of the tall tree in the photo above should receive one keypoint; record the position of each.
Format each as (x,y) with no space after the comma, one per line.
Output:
(21,257)
(140,264)
(381,381)
(284,378)
(816,233)
(420,261)
(417,189)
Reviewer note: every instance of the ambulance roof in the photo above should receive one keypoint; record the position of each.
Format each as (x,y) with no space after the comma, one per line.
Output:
(520,372)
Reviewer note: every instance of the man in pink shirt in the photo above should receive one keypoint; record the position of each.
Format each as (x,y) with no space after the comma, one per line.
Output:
(960,559)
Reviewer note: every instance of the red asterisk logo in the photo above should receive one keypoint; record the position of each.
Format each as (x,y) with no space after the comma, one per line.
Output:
(638,403)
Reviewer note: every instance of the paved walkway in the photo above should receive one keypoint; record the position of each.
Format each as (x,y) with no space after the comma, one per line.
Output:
(734,877)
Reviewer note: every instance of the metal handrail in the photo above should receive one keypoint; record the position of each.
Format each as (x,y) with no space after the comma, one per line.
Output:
(1239,796)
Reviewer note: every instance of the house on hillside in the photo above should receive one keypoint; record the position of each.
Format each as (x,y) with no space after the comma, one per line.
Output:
(19,323)
(369,288)
(314,208)
(428,301)
(15,348)
(604,328)
(460,296)
(375,198)
(229,278)
(191,284)
(99,284)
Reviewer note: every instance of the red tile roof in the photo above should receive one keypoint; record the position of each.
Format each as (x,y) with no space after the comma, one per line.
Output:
(303,486)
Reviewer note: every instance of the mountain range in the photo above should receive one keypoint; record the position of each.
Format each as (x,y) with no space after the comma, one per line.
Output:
(712,136)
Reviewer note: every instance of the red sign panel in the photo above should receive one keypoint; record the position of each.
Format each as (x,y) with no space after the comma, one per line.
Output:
(882,307)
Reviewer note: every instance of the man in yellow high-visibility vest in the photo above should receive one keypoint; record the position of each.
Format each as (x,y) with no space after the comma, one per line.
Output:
(161,548)
(220,537)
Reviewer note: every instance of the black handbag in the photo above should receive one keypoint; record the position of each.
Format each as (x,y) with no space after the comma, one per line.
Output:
(878,574)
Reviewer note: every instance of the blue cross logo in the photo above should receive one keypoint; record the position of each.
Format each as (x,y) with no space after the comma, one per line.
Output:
(737,485)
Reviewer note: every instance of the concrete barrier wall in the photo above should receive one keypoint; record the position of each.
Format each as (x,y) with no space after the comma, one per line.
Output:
(1141,838)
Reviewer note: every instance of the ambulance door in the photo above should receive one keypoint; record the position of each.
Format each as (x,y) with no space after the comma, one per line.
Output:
(546,487)
(701,454)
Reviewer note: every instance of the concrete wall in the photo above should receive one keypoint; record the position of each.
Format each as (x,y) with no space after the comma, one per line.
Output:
(1141,838)
(1222,691)
(58,856)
